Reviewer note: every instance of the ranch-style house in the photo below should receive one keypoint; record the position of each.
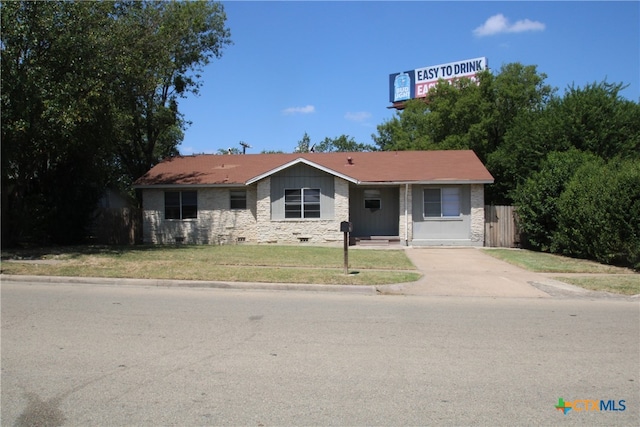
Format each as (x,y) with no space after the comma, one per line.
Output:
(416,198)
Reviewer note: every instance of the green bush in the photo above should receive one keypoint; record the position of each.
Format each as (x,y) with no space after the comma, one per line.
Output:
(537,198)
(598,214)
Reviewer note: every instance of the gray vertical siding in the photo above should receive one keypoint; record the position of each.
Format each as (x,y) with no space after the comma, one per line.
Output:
(374,222)
(441,228)
(302,176)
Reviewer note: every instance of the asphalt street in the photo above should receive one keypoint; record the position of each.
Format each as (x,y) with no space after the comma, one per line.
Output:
(88,354)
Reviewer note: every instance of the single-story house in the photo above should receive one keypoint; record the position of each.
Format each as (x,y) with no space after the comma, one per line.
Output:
(413,197)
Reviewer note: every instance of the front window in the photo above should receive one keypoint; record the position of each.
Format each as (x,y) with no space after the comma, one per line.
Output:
(180,204)
(441,202)
(302,203)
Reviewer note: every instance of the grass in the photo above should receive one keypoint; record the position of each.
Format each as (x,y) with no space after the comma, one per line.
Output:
(624,285)
(285,264)
(588,274)
(242,263)
(542,262)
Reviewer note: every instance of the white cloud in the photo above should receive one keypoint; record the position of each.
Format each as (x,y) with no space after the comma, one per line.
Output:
(500,24)
(359,116)
(300,110)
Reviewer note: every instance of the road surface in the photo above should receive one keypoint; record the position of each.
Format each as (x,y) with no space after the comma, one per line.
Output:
(75,354)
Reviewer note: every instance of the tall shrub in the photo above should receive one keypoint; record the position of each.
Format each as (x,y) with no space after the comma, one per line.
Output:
(537,198)
(599,213)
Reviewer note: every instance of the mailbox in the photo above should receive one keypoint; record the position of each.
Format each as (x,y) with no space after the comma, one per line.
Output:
(345,227)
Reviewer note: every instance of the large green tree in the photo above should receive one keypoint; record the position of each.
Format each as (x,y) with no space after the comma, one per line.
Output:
(466,114)
(572,170)
(162,47)
(304,144)
(90,95)
(56,117)
(593,119)
(342,143)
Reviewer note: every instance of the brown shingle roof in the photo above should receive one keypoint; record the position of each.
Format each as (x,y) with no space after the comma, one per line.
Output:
(364,167)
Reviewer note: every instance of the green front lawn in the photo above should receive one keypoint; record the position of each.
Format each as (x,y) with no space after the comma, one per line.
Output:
(593,276)
(243,263)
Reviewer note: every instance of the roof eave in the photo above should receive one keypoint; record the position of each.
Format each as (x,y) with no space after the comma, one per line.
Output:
(169,186)
(352,180)
(430,182)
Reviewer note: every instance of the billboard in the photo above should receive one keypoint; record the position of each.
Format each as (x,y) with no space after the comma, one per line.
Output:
(416,83)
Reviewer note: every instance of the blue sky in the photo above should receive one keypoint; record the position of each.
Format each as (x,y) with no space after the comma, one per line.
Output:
(323,67)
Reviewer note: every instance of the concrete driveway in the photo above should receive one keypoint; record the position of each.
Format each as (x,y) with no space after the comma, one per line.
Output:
(467,272)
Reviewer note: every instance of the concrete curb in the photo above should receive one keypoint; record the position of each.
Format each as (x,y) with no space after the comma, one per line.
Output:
(353,289)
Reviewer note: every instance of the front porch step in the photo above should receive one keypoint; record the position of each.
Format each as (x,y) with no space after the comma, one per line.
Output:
(377,240)
(372,242)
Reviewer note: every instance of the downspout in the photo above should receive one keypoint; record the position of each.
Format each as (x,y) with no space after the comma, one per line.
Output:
(406,214)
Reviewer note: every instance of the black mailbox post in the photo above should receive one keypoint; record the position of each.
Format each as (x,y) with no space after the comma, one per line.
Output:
(345,227)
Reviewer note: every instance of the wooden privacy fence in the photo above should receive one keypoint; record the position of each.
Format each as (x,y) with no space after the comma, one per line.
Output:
(500,227)
(116,226)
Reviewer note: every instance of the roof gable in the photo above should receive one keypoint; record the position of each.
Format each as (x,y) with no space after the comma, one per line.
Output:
(298,161)
(377,167)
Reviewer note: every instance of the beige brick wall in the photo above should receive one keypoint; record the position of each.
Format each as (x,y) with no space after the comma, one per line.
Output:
(296,231)
(216,223)
(477,214)
(405,225)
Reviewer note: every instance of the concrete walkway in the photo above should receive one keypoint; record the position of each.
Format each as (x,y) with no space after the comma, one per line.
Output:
(468,272)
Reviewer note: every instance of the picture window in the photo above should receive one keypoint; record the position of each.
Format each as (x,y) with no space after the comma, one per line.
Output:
(302,203)
(441,202)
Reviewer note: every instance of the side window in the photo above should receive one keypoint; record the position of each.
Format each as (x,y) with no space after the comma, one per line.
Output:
(238,199)
(180,204)
(441,202)
(311,206)
(171,205)
(293,203)
(189,204)
(431,202)
(451,201)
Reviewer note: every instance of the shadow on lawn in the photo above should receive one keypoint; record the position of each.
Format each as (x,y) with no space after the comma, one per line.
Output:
(71,252)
